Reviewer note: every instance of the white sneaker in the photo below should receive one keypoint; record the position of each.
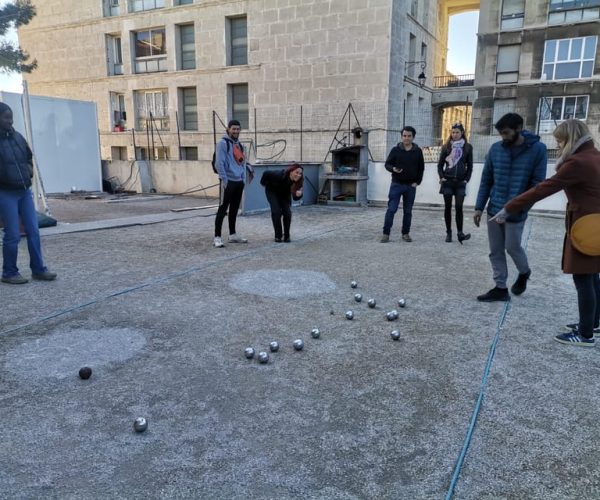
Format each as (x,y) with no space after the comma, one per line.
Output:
(218,242)
(235,238)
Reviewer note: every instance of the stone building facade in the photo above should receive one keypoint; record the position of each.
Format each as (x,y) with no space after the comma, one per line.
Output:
(158,69)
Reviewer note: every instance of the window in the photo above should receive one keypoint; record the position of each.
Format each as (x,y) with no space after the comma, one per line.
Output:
(140,5)
(501,107)
(239,103)
(184,2)
(115,56)
(569,58)
(573,11)
(118,152)
(189,108)
(557,109)
(512,14)
(118,116)
(507,69)
(111,8)
(150,51)
(189,153)
(152,107)
(188,46)
(414,8)
(155,153)
(238,41)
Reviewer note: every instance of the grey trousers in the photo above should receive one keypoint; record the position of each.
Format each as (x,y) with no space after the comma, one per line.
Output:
(506,238)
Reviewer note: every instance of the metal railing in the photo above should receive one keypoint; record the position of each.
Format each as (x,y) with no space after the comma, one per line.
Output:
(454,81)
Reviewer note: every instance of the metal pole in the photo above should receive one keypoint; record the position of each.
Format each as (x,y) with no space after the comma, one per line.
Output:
(255,132)
(301,132)
(404,114)
(152,133)
(178,134)
(134,146)
(147,141)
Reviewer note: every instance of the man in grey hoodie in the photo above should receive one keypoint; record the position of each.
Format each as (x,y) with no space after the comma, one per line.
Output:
(230,163)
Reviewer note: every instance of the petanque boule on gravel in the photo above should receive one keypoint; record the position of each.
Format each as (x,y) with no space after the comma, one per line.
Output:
(395,313)
(263,357)
(401,303)
(349,315)
(274,346)
(395,334)
(140,424)
(357,297)
(390,316)
(298,344)
(249,352)
(315,333)
(85,372)
(353,284)
(371,303)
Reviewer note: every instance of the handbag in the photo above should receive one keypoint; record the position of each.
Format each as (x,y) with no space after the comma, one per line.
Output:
(585,235)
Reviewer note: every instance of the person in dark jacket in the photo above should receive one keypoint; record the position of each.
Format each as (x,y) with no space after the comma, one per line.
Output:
(406,163)
(280,187)
(16,203)
(578,174)
(512,166)
(455,167)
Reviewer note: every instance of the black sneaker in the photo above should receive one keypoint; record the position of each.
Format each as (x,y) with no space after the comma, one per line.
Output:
(575,339)
(495,295)
(521,284)
(574,327)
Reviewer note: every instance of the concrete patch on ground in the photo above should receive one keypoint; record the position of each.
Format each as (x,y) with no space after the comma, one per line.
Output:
(282,283)
(60,355)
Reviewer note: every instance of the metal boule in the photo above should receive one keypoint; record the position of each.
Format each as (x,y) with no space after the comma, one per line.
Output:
(401,303)
(390,316)
(85,372)
(274,346)
(349,315)
(315,333)
(298,344)
(263,357)
(140,424)
(371,303)
(395,334)
(395,313)
(249,352)
(357,297)
(353,284)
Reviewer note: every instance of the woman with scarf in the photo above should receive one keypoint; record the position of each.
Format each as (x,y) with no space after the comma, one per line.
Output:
(578,174)
(454,169)
(16,204)
(280,187)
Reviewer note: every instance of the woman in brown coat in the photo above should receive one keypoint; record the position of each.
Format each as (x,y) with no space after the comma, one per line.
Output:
(578,174)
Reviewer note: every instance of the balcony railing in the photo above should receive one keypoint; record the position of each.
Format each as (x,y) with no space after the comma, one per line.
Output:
(446,81)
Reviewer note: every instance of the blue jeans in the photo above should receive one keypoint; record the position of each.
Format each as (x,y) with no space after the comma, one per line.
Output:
(14,205)
(408,194)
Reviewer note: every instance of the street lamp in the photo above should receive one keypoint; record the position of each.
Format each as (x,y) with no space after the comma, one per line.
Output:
(421,78)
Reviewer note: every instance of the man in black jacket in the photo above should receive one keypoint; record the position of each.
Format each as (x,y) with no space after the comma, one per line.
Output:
(406,163)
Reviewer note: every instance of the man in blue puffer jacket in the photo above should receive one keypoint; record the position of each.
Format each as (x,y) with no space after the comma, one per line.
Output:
(512,166)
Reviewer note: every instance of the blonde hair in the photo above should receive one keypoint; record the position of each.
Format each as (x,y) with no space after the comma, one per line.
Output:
(569,133)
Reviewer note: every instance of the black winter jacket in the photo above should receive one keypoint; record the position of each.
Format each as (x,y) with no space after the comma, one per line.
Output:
(463,169)
(277,182)
(16,166)
(411,162)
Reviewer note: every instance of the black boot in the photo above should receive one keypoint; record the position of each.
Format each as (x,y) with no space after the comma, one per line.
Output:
(448,236)
(463,237)
(521,284)
(495,295)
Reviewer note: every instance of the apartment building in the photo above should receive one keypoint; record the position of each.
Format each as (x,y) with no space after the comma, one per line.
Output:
(539,58)
(157,69)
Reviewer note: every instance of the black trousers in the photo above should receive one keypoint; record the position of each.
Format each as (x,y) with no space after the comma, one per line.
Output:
(588,299)
(232,198)
(281,209)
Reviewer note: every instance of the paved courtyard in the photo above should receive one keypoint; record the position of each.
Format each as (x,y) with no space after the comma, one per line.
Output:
(163,319)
